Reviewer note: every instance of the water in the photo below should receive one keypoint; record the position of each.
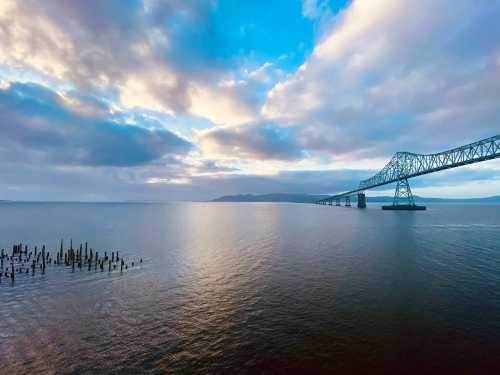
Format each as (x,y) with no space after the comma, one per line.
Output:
(256,288)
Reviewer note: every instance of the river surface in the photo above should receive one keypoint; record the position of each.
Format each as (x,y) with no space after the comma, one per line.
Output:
(228,288)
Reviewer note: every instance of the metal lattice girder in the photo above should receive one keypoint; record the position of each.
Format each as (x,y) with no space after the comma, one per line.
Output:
(407,164)
(404,165)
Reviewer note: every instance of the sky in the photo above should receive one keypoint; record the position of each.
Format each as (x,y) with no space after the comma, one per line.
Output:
(193,99)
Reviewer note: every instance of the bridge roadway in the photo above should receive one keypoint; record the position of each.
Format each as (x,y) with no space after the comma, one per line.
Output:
(405,165)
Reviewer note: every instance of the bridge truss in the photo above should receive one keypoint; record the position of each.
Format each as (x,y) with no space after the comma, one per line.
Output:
(405,165)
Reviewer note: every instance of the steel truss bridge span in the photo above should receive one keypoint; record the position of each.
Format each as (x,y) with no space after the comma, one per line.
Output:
(405,165)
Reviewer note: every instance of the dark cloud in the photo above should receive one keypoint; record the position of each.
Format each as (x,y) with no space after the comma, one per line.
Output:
(36,122)
(252,141)
(211,166)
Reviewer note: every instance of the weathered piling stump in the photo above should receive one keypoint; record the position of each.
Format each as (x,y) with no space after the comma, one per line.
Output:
(43,258)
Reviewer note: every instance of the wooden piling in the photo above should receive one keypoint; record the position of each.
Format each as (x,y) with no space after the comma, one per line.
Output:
(43,258)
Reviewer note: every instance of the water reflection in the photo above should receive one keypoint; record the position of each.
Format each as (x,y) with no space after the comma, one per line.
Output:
(252,288)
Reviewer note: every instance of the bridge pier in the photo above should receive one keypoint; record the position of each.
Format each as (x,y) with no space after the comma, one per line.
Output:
(348,201)
(403,192)
(361,200)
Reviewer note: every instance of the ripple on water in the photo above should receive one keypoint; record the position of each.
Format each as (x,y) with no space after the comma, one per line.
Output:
(258,288)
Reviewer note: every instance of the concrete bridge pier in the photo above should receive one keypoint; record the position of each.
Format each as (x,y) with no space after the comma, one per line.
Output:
(361,200)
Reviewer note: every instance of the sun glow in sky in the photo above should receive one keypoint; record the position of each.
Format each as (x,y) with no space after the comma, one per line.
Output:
(176,100)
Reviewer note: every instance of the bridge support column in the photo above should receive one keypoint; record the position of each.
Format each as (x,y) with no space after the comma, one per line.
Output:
(361,200)
(348,201)
(403,193)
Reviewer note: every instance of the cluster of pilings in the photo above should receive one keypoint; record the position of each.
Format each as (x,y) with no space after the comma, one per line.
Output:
(23,260)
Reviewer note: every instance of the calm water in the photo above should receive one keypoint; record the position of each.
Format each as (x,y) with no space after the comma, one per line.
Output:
(256,288)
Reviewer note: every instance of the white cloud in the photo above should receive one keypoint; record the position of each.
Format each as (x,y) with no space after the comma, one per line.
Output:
(145,90)
(262,73)
(394,74)
(228,103)
(141,55)
(174,181)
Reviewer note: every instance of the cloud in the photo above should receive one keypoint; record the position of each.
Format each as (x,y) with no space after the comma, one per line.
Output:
(227,103)
(391,73)
(151,54)
(263,73)
(210,167)
(263,141)
(37,122)
(384,76)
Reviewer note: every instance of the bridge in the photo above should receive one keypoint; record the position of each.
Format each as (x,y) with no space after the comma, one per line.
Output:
(406,165)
